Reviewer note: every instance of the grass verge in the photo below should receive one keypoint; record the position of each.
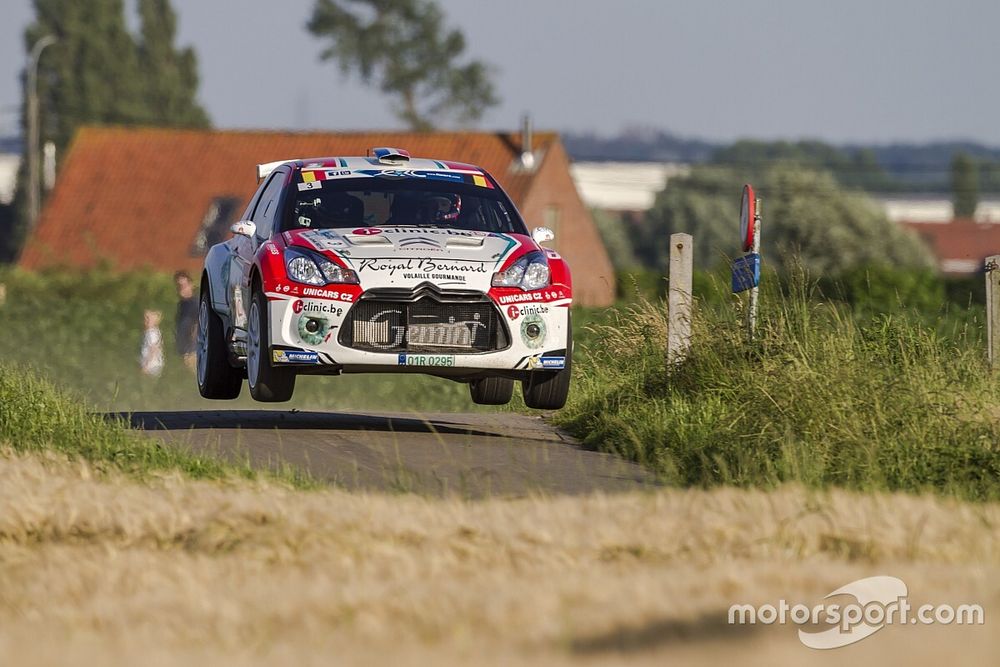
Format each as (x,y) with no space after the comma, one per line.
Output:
(821,398)
(37,417)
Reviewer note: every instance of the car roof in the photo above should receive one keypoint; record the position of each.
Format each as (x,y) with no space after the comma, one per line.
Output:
(369,163)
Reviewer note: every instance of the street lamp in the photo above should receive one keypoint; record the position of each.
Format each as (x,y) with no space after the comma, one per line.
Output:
(34,196)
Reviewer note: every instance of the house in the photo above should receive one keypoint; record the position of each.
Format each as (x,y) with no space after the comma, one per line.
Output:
(158,198)
(960,245)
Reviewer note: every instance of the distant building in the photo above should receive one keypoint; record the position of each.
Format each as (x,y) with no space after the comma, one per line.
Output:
(158,198)
(959,245)
(624,186)
(933,208)
(10,162)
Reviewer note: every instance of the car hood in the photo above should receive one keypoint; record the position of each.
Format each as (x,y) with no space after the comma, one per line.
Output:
(408,256)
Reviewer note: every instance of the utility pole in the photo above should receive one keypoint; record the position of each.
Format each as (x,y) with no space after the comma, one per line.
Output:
(993,310)
(679,298)
(33,141)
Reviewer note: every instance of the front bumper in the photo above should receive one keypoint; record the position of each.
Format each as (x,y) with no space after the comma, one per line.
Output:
(452,334)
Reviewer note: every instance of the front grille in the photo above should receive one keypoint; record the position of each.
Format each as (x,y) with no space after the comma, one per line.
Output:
(424,325)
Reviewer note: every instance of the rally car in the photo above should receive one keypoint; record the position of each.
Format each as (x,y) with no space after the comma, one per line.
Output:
(384,264)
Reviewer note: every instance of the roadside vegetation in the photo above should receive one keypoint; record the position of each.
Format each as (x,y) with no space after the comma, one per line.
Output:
(37,418)
(83,332)
(875,381)
(827,395)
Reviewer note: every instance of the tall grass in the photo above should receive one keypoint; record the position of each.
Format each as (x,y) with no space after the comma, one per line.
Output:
(37,417)
(821,397)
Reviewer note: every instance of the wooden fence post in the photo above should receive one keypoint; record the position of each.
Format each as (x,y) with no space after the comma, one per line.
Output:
(679,299)
(993,310)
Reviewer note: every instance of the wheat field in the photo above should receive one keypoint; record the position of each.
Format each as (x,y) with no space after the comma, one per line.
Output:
(99,569)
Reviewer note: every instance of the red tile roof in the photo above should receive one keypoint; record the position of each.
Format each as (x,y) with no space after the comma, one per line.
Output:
(136,198)
(960,245)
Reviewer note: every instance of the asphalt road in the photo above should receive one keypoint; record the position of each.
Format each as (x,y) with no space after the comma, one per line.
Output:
(471,455)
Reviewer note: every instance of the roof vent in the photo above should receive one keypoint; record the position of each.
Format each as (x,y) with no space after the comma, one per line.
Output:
(390,155)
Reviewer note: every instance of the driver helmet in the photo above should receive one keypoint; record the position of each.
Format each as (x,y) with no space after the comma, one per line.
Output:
(443,208)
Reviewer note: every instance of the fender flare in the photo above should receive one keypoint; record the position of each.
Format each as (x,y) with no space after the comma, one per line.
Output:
(216,265)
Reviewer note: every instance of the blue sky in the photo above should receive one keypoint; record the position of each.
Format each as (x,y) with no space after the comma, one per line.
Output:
(853,70)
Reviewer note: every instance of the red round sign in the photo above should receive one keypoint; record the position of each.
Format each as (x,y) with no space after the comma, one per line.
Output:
(367,231)
(748,213)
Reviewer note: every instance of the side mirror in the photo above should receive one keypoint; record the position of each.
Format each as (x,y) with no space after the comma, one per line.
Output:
(542,234)
(244,228)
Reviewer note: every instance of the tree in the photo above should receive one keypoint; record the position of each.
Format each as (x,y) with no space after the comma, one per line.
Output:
(808,220)
(169,75)
(615,236)
(701,204)
(403,47)
(97,73)
(853,168)
(91,75)
(964,185)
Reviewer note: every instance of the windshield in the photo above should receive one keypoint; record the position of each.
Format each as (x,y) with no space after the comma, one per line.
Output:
(402,202)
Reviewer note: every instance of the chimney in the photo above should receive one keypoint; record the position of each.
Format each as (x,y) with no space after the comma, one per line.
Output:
(527,149)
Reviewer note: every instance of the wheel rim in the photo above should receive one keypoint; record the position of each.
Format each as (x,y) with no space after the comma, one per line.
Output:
(203,342)
(253,345)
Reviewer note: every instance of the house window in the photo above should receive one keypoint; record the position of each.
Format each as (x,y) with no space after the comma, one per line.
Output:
(551,218)
(215,225)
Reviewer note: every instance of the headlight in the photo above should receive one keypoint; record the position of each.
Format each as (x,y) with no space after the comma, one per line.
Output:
(314,269)
(304,270)
(530,272)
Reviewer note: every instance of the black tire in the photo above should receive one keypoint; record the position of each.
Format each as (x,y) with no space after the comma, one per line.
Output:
(268,384)
(492,391)
(549,390)
(217,379)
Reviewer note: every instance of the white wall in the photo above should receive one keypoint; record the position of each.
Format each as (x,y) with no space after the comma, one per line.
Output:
(9,164)
(623,186)
(935,210)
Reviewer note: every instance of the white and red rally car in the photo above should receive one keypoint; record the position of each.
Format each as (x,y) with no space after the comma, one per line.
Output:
(384,264)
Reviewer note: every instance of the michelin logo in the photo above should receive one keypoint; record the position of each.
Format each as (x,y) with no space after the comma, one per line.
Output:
(295,357)
(549,363)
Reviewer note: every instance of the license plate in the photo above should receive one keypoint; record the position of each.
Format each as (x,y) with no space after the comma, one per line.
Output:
(426,360)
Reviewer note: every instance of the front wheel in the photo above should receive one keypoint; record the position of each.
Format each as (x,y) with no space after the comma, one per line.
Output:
(492,391)
(268,384)
(216,377)
(549,390)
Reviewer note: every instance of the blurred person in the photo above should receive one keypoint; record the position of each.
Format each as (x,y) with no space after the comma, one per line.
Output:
(3,294)
(151,354)
(187,318)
